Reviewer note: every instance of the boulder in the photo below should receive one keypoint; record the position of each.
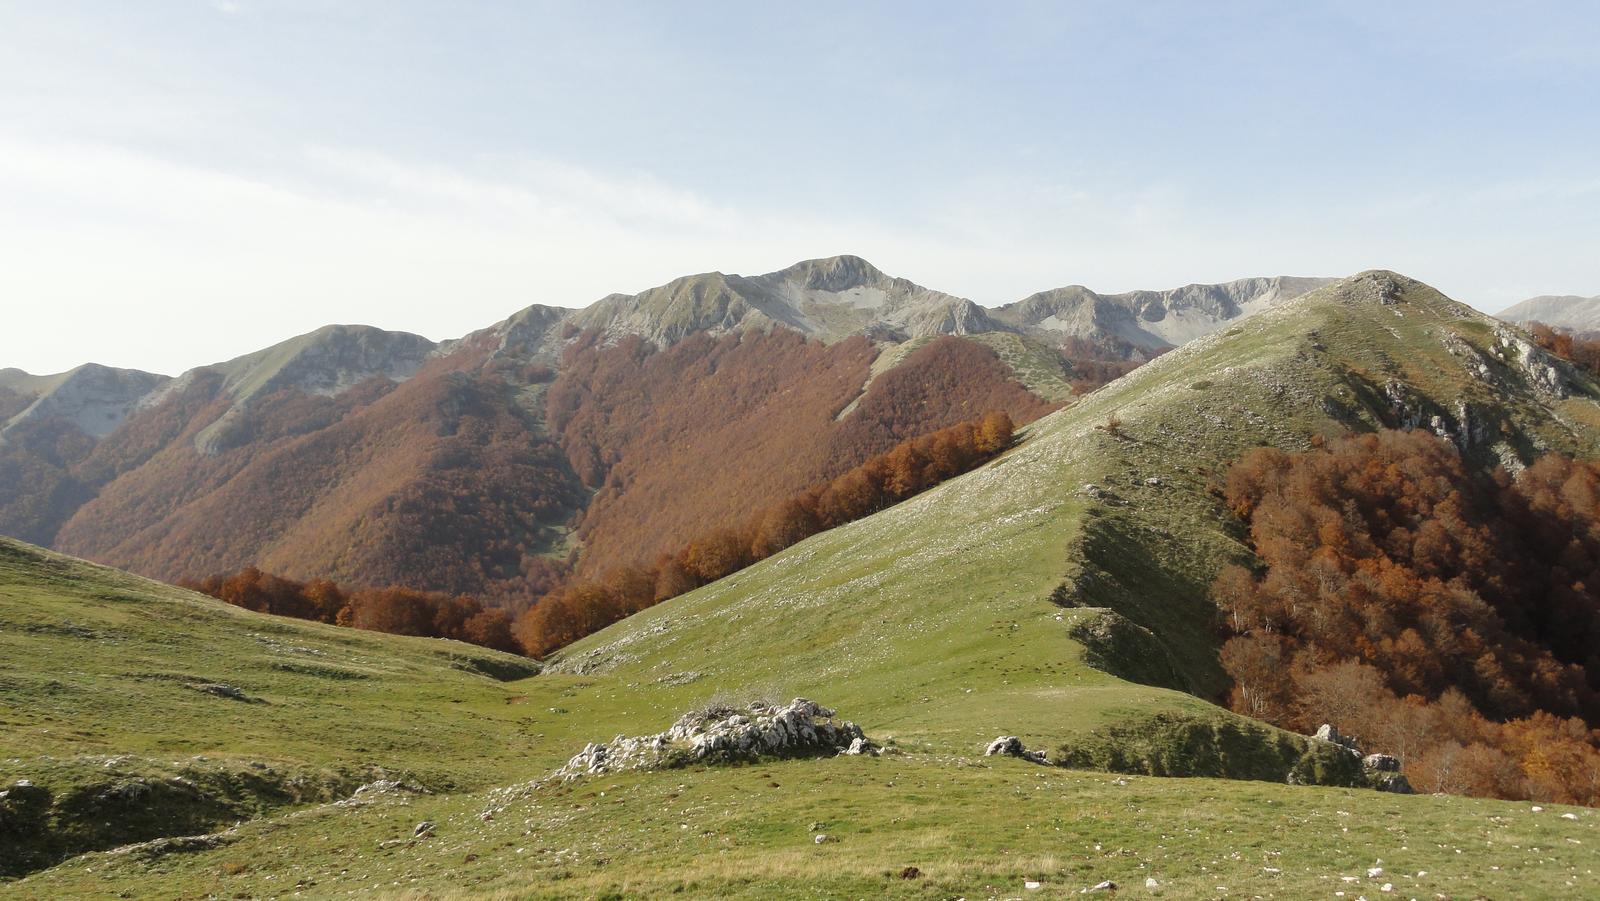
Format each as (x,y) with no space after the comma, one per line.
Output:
(1382,763)
(224,690)
(1330,733)
(1011,746)
(1005,745)
(1394,783)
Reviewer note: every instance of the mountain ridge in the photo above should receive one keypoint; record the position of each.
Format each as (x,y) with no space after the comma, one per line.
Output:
(839,275)
(331,453)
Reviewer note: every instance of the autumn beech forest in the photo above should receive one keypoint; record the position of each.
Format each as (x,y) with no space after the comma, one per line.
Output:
(1447,616)
(590,604)
(587,604)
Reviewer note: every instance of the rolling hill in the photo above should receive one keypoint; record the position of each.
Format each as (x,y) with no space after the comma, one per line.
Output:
(1058,594)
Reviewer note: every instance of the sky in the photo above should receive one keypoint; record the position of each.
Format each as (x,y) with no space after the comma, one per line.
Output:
(184,181)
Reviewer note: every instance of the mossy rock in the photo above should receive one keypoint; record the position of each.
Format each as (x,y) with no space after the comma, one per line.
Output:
(1176,744)
(1117,645)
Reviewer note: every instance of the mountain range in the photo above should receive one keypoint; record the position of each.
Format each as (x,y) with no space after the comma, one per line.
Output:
(588,438)
(1056,606)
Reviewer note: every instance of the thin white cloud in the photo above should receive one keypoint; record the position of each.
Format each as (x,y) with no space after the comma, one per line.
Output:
(533,189)
(130,258)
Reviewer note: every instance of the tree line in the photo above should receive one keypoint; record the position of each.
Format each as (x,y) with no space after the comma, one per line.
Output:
(395,610)
(1449,616)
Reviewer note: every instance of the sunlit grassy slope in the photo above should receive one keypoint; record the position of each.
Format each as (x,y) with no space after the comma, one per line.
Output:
(930,623)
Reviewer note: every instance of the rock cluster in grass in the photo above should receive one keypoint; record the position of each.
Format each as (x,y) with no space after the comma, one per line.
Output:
(379,790)
(178,844)
(1382,771)
(1011,746)
(224,690)
(723,733)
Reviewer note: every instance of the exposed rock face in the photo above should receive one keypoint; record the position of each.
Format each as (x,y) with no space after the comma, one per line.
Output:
(828,299)
(379,789)
(325,363)
(180,844)
(1539,368)
(1330,733)
(1382,763)
(845,295)
(721,734)
(529,335)
(1149,321)
(1394,783)
(94,398)
(1011,746)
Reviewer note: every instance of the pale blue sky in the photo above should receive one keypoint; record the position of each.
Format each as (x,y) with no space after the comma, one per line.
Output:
(182,181)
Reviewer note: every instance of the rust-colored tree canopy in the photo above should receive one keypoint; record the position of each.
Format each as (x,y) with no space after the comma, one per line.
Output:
(590,604)
(1450,616)
(587,605)
(398,611)
(1578,347)
(678,442)
(471,476)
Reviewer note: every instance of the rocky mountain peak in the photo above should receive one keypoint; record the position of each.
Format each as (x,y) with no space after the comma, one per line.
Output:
(327,361)
(93,397)
(835,274)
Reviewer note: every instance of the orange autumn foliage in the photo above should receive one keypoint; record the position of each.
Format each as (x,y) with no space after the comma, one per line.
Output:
(1582,348)
(587,605)
(397,611)
(1443,613)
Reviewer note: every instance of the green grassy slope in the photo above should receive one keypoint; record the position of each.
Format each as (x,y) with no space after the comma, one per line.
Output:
(103,703)
(929,623)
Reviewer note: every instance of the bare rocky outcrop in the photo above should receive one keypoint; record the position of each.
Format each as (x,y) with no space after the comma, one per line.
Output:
(93,398)
(179,844)
(380,790)
(1146,322)
(725,733)
(717,733)
(1539,368)
(1011,746)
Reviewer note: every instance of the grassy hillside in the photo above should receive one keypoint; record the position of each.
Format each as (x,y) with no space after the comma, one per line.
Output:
(88,726)
(931,624)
